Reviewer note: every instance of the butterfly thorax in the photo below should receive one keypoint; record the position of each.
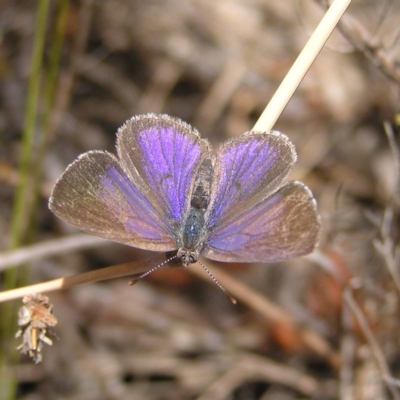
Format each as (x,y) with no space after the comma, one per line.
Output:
(202,186)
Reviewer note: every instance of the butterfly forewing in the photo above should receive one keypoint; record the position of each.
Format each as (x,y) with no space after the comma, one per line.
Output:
(95,195)
(248,169)
(284,225)
(166,153)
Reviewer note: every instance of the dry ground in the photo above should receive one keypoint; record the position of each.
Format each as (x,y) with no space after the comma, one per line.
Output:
(216,64)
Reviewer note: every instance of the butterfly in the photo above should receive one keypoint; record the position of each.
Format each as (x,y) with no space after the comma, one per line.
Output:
(169,191)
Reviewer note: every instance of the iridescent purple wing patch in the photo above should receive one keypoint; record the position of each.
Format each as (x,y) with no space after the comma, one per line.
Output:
(168,190)
(281,227)
(140,197)
(95,195)
(249,169)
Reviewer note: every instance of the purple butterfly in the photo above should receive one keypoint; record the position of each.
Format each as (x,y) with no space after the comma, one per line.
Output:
(167,190)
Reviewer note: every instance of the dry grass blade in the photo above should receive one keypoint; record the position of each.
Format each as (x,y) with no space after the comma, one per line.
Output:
(49,248)
(116,271)
(215,64)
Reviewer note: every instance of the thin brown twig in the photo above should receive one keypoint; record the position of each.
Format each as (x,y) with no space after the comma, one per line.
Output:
(376,351)
(50,248)
(396,155)
(385,245)
(348,346)
(364,41)
(251,367)
(272,312)
(116,271)
(386,248)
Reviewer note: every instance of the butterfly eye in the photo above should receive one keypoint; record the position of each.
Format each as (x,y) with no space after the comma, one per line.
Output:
(187,257)
(184,256)
(181,253)
(193,258)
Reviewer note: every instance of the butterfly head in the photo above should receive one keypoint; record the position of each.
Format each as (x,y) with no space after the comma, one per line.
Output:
(187,256)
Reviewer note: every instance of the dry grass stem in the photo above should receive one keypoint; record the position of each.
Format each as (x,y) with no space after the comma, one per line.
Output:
(215,64)
(98,275)
(301,66)
(50,248)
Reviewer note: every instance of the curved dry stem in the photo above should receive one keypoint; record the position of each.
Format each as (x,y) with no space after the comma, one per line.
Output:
(116,271)
(373,343)
(50,248)
(301,66)
(272,312)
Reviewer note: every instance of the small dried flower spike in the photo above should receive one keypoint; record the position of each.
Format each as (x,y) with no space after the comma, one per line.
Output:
(35,318)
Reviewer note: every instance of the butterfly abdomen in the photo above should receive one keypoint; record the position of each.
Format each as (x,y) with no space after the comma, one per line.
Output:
(194,226)
(193,229)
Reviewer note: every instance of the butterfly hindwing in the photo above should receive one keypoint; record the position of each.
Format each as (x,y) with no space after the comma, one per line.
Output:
(283,226)
(95,195)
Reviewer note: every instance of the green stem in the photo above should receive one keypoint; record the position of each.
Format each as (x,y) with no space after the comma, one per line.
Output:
(22,196)
(49,98)
(21,203)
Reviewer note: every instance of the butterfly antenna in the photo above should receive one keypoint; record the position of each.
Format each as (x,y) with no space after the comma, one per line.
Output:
(140,277)
(231,298)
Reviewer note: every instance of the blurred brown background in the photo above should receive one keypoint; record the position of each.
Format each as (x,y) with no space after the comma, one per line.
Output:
(216,64)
